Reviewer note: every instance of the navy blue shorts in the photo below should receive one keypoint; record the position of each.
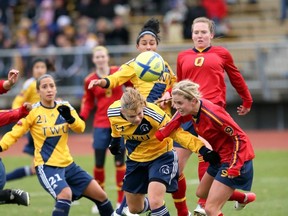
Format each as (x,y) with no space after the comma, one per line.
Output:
(29,147)
(102,138)
(243,182)
(55,179)
(2,175)
(187,126)
(163,169)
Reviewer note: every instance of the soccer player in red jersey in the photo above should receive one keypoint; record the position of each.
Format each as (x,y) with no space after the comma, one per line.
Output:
(101,99)
(213,123)
(14,196)
(12,115)
(206,65)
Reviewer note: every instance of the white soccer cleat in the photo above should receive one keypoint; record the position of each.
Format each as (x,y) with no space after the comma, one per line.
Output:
(75,202)
(199,211)
(115,214)
(249,197)
(126,212)
(94,209)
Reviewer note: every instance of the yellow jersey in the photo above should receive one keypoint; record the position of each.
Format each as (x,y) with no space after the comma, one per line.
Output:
(28,94)
(152,91)
(140,141)
(50,134)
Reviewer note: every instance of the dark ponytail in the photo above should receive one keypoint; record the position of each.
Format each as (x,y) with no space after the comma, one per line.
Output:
(152,27)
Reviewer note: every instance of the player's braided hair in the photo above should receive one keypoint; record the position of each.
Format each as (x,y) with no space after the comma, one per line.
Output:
(152,27)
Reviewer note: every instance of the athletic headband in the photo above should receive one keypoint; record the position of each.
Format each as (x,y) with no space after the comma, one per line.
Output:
(146,32)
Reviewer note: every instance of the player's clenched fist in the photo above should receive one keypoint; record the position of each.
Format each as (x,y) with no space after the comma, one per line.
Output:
(66,113)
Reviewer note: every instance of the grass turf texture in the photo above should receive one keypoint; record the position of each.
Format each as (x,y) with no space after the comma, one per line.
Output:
(270,185)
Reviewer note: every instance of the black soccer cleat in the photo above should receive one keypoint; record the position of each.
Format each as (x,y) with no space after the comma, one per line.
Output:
(20,197)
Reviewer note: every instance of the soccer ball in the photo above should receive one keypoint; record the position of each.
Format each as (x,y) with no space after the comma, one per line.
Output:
(149,66)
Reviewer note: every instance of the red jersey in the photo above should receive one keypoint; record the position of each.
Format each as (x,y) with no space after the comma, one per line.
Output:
(224,135)
(11,116)
(207,68)
(100,98)
(2,90)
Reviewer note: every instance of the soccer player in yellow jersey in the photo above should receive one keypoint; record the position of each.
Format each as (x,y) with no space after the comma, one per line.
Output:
(151,165)
(148,40)
(49,122)
(28,93)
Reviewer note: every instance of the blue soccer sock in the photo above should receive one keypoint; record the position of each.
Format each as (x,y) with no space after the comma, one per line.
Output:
(160,211)
(62,207)
(146,206)
(122,205)
(105,208)
(19,173)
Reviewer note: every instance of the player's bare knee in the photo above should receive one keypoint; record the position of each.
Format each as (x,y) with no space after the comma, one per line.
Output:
(155,203)
(66,194)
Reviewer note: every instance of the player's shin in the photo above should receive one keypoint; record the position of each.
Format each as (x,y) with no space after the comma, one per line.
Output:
(179,197)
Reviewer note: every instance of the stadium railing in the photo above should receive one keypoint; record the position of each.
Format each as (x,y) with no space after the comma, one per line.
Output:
(263,65)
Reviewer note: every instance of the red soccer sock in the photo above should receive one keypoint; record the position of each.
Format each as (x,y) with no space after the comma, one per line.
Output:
(237,196)
(120,172)
(99,176)
(202,168)
(179,196)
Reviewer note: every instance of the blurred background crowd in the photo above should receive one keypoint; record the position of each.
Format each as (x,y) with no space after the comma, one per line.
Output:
(30,25)
(43,23)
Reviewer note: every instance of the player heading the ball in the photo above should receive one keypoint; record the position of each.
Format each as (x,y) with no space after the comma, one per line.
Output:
(149,66)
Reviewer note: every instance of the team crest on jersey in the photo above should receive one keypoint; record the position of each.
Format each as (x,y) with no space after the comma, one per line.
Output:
(144,128)
(229,130)
(108,93)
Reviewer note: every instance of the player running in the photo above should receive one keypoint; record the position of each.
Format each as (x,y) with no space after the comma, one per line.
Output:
(49,122)
(225,136)
(206,65)
(148,40)
(151,165)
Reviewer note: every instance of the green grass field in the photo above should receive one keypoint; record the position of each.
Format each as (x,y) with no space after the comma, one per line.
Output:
(270,185)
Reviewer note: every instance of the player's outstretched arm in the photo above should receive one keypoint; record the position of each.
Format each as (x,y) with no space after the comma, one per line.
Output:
(97,82)
(13,115)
